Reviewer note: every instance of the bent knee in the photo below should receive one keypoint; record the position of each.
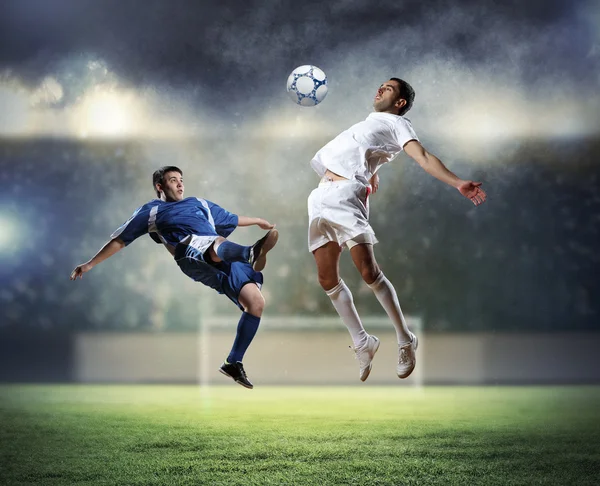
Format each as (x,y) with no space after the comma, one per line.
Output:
(255,305)
(370,273)
(328,282)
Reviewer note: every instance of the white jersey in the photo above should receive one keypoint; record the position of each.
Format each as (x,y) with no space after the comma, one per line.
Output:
(358,152)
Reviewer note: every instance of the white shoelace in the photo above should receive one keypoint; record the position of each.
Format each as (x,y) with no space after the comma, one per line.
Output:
(403,357)
(362,355)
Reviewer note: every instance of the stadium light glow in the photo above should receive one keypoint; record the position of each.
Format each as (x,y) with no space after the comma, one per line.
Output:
(286,125)
(14,110)
(488,120)
(9,235)
(107,114)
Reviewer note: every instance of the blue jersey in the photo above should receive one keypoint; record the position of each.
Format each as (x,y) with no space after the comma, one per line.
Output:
(171,222)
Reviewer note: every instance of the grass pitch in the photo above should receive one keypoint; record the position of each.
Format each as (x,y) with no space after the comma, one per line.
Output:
(227,435)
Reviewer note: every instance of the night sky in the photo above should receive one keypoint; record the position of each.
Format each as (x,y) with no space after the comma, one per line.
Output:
(94,95)
(229,60)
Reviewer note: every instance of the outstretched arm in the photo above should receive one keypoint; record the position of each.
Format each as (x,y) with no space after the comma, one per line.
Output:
(374,181)
(108,250)
(434,166)
(262,223)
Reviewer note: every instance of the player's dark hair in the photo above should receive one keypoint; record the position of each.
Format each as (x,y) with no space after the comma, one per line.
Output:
(406,93)
(159,175)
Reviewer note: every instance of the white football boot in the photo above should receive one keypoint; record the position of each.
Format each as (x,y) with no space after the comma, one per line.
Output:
(406,357)
(365,356)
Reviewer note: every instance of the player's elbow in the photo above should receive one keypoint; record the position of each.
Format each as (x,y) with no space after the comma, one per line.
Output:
(422,160)
(119,242)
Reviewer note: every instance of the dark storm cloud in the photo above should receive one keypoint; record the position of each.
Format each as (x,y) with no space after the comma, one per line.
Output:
(227,61)
(222,43)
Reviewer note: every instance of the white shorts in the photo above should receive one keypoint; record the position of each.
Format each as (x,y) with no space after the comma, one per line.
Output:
(339,211)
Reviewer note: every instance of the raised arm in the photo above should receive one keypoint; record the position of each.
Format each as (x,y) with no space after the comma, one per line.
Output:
(262,223)
(108,250)
(434,166)
(374,181)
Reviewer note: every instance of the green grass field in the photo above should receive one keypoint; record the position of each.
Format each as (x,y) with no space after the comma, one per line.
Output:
(228,435)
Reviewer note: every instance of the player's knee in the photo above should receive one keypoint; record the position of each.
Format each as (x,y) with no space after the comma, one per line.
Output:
(215,246)
(370,273)
(259,305)
(217,242)
(328,281)
(256,305)
(212,250)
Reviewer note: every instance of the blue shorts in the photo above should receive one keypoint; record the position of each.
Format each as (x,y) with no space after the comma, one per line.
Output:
(226,278)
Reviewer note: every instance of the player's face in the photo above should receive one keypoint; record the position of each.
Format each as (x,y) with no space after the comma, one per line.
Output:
(172,186)
(387,99)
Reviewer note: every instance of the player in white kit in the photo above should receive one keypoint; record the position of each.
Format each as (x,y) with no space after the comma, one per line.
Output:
(338,212)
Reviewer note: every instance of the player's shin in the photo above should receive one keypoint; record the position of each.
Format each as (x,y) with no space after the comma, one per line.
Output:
(246,330)
(387,297)
(342,300)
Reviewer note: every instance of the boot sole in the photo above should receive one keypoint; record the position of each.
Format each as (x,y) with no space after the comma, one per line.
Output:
(268,245)
(237,381)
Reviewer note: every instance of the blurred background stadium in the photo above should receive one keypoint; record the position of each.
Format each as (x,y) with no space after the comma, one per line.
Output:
(92,103)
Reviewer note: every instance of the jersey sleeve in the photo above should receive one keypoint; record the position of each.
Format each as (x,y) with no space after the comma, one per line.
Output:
(225,222)
(404,131)
(134,227)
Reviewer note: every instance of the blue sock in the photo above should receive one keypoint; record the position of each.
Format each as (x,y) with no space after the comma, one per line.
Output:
(232,252)
(246,331)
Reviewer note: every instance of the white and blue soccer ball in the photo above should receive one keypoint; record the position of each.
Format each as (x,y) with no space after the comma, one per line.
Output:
(307,85)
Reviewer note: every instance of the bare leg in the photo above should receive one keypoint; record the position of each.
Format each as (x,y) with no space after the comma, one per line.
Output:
(252,299)
(212,250)
(364,260)
(327,259)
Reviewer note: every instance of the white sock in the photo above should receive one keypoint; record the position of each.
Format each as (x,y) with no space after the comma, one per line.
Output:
(341,298)
(387,297)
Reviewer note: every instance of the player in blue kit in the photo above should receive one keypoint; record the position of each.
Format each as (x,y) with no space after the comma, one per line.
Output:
(195,232)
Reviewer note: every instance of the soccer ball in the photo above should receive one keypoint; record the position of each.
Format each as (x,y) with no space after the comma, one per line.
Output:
(307,85)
